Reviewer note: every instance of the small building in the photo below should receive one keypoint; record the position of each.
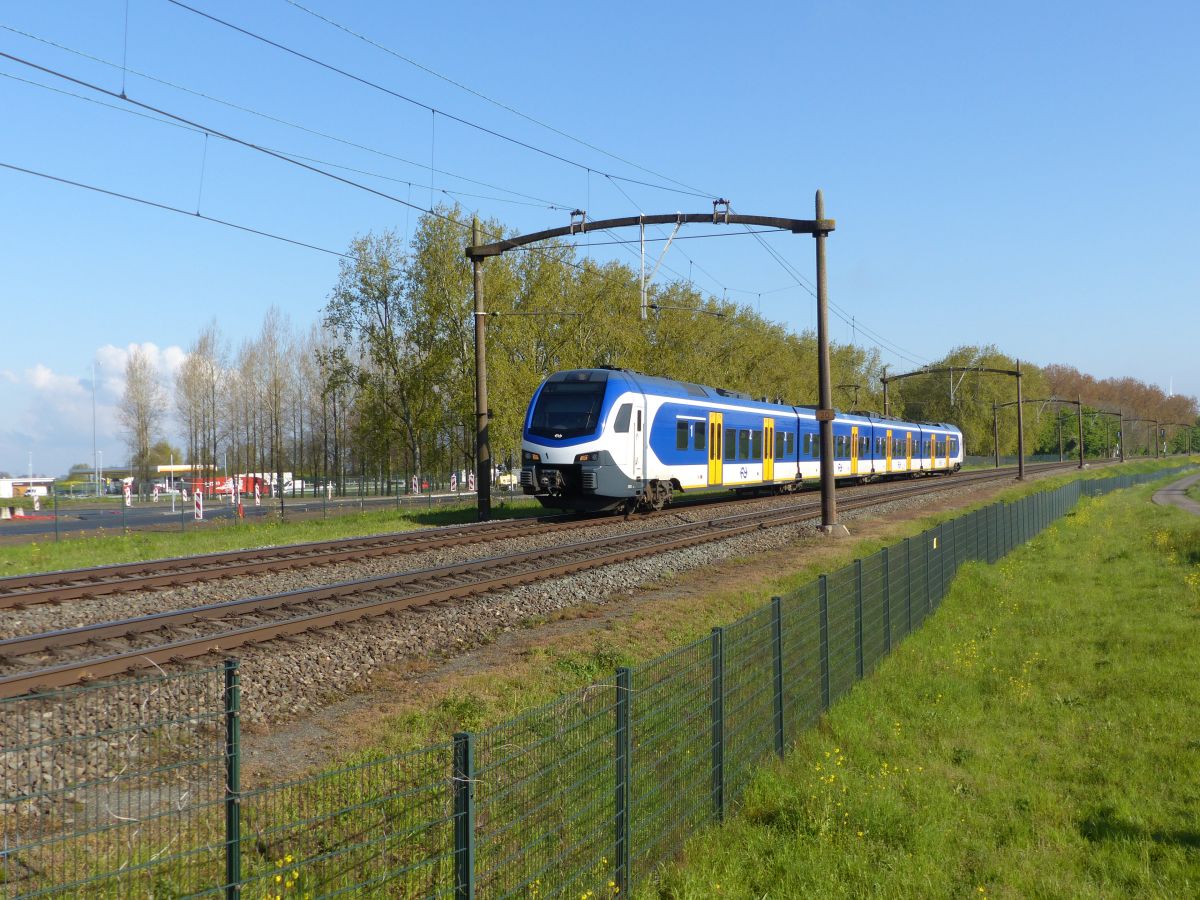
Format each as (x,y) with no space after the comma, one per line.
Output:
(39,485)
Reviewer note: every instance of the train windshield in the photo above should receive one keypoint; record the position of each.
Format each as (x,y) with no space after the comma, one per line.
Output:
(569,405)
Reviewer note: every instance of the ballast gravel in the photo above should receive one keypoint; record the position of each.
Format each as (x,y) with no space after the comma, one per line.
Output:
(286,679)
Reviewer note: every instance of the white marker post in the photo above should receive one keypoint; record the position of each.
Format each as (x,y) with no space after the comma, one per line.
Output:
(257,495)
(198,506)
(471,482)
(416,485)
(128,494)
(453,482)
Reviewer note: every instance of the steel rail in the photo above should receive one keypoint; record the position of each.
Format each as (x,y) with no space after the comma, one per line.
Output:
(22,591)
(19,591)
(643,543)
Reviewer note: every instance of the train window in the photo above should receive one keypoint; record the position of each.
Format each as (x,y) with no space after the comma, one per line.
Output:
(639,420)
(780,441)
(621,426)
(743,443)
(790,449)
(756,444)
(816,446)
(864,446)
(681,435)
(731,443)
(698,437)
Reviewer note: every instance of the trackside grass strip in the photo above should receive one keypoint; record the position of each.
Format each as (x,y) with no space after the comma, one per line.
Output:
(102,547)
(1039,736)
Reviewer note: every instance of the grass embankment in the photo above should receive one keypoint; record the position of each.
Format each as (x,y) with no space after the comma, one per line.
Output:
(558,663)
(103,547)
(1040,736)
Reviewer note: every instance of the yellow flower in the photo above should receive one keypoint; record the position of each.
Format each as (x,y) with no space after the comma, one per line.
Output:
(278,879)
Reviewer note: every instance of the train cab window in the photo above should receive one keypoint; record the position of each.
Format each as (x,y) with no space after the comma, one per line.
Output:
(790,448)
(681,435)
(698,437)
(639,420)
(731,443)
(755,444)
(743,443)
(621,426)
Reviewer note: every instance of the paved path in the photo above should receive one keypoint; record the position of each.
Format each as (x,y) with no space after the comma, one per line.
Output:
(1174,495)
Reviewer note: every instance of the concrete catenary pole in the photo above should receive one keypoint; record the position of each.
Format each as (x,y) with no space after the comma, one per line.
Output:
(829,522)
(1079,410)
(1020,427)
(996,433)
(483,460)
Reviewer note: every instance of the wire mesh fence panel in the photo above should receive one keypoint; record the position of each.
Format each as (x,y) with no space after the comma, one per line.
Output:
(801,660)
(671,778)
(876,618)
(382,828)
(918,567)
(113,789)
(749,697)
(545,799)
(843,650)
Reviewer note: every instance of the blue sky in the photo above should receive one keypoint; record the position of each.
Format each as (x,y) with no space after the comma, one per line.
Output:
(1021,174)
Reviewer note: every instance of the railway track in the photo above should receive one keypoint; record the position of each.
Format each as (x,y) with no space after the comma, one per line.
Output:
(23,591)
(68,656)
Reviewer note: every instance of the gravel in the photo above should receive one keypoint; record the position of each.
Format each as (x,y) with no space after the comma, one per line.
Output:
(286,679)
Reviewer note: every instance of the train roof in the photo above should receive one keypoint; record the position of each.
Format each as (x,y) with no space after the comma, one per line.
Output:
(671,387)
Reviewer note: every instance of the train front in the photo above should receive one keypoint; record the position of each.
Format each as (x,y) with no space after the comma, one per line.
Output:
(567,459)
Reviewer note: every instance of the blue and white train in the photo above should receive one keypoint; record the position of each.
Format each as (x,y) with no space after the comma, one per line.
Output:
(603,439)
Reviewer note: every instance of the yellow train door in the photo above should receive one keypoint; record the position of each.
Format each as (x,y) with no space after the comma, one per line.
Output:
(715,421)
(854,450)
(908,451)
(768,449)
(888,450)
(947,452)
(933,451)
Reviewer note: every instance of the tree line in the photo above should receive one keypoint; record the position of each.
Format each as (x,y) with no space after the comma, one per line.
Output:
(381,388)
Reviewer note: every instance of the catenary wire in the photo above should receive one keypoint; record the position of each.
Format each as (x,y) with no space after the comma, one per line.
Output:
(270,118)
(470,90)
(386,90)
(324,162)
(183,212)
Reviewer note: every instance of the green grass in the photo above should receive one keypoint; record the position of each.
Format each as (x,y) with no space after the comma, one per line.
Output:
(1040,736)
(103,547)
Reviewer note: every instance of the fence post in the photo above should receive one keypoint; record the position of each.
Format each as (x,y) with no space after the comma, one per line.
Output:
(887,601)
(823,607)
(908,584)
(233,781)
(624,744)
(941,540)
(928,575)
(718,722)
(858,620)
(464,815)
(777,653)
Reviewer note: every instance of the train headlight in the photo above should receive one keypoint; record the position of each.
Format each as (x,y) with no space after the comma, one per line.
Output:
(527,457)
(594,456)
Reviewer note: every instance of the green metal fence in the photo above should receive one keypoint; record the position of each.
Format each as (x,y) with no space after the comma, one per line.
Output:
(132,788)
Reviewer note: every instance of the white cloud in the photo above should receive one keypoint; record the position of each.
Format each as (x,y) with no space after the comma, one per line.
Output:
(50,412)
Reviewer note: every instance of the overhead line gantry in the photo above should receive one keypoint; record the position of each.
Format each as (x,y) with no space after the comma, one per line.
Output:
(819,227)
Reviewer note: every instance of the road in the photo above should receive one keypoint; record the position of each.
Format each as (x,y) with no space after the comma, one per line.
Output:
(158,516)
